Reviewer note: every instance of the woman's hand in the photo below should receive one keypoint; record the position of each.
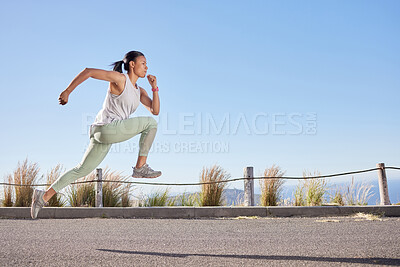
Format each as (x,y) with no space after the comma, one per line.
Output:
(152,80)
(63,99)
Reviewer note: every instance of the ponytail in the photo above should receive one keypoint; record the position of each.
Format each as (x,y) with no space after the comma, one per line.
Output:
(118,66)
(130,56)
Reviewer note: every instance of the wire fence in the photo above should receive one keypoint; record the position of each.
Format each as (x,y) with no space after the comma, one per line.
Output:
(215,182)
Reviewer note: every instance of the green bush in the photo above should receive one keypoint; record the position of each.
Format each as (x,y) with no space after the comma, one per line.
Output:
(338,197)
(188,199)
(299,195)
(310,192)
(158,198)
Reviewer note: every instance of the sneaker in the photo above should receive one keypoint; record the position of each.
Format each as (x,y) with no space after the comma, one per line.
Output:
(37,202)
(145,172)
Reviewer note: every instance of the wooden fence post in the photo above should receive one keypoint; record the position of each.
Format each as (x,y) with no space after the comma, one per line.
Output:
(383,186)
(99,188)
(248,186)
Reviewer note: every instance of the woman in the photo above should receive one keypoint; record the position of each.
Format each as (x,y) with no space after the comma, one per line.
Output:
(112,123)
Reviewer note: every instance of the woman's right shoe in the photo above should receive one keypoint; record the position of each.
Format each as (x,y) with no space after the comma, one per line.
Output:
(37,202)
(145,172)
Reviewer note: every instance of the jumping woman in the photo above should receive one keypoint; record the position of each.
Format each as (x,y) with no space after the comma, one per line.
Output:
(112,123)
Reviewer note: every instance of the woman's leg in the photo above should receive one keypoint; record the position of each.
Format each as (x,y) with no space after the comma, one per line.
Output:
(100,143)
(94,155)
(119,131)
(145,142)
(141,160)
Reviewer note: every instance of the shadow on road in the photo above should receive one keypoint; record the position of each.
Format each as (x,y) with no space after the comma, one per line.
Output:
(377,261)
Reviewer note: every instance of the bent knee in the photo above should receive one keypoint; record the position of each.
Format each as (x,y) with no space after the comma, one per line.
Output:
(152,122)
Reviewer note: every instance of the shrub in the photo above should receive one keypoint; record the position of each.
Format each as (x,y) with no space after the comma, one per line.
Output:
(158,198)
(338,197)
(271,189)
(125,196)
(25,173)
(299,196)
(357,193)
(315,189)
(8,193)
(211,194)
(310,192)
(82,195)
(115,194)
(186,199)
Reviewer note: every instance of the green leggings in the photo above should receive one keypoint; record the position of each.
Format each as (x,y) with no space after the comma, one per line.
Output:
(101,139)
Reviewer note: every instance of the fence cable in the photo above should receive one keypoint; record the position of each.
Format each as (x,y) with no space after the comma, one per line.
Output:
(216,182)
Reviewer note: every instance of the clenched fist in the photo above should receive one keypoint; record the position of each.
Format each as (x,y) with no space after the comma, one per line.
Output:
(152,80)
(63,98)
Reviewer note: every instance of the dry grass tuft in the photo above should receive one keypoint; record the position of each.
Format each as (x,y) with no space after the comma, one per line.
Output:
(338,197)
(82,195)
(368,217)
(8,193)
(125,196)
(357,193)
(211,194)
(51,177)
(310,192)
(115,194)
(316,189)
(25,173)
(187,199)
(271,189)
(299,195)
(159,198)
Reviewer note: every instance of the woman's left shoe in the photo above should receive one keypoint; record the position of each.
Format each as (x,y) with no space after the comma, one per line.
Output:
(37,202)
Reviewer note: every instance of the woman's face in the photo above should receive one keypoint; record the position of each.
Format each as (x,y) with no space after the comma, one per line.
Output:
(140,66)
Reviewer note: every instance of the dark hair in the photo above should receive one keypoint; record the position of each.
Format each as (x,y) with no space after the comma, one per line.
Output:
(130,56)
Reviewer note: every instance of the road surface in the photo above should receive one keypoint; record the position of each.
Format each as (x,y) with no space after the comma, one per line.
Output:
(347,241)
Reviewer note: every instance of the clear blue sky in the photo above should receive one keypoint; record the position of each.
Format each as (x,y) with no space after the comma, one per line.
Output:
(321,76)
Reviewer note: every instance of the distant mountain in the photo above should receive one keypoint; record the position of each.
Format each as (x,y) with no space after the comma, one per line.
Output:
(393,186)
(235,197)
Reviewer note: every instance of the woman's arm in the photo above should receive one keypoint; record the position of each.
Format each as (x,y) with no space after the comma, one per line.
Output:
(152,105)
(110,76)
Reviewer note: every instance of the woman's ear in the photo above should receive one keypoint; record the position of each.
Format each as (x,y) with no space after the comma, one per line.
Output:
(132,64)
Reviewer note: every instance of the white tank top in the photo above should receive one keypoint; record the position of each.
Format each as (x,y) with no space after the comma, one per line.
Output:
(119,107)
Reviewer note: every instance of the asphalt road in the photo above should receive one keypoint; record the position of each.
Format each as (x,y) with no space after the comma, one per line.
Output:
(208,242)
